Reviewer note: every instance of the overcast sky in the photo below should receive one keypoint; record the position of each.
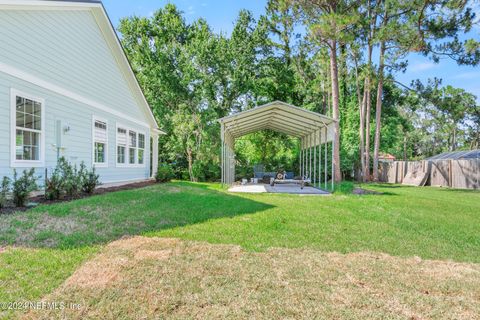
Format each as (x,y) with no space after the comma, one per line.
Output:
(221,14)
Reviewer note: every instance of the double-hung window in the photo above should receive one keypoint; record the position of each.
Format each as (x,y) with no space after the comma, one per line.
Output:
(121,145)
(141,148)
(100,143)
(132,147)
(28,130)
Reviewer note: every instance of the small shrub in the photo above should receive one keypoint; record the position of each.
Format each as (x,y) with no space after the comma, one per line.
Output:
(89,180)
(23,186)
(164,173)
(72,180)
(54,185)
(4,189)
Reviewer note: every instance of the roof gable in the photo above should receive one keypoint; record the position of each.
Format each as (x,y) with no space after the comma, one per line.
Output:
(109,37)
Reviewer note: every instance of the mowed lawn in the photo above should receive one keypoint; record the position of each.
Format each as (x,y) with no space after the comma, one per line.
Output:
(44,246)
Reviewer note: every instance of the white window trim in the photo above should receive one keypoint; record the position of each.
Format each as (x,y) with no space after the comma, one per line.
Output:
(144,147)
(14,163)
(127,163)
(118,164)
(99,164)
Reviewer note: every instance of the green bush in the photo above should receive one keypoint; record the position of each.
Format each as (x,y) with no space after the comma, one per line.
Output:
(23,186)
(72,180)
(54,185)
(164,173)
(89,180)
(65,179)
(4,189)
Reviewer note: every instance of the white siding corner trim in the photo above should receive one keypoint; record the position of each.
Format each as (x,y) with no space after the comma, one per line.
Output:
(12,71)
(14,163)
(100,137)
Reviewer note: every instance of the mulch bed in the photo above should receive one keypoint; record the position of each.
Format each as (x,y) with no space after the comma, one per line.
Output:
(101,190)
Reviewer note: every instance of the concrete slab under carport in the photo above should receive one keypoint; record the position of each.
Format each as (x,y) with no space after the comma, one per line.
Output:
(289,188)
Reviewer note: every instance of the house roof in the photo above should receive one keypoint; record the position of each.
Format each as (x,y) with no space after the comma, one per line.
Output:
(111,38)
(457,155)
(277,116)
(86,1)
(386,156)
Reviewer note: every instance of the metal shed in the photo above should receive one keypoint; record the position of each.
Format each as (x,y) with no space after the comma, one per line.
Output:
(313,130)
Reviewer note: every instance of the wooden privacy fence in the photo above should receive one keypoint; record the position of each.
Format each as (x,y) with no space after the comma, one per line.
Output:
(462,174)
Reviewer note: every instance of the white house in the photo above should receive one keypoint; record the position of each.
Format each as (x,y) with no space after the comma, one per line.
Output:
(67,89)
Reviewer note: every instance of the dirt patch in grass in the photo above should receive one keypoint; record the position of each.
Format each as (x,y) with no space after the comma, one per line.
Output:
(361,191)
(143,278)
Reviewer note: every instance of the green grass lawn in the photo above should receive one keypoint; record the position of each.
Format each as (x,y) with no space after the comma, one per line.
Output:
(402,221)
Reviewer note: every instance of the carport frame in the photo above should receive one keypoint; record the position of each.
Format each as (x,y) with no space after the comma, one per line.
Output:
(313,130)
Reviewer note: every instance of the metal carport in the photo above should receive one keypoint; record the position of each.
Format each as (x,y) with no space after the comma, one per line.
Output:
(313,130)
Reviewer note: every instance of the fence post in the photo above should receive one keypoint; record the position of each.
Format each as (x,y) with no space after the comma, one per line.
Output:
(450,173)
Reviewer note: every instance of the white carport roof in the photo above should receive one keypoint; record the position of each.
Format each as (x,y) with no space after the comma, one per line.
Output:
(312,129)
(277,116)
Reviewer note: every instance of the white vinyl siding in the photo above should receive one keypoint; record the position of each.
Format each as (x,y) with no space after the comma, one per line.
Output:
(66,48)
(61,56)
(28,130)
(100,142)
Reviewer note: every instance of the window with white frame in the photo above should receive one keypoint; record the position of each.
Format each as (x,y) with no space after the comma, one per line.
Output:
(121,145)
(29,129)
(132,147)
(100,142)
(141,148)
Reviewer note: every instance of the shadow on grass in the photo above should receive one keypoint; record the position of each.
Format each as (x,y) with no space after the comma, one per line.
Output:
(473,191)
(104,218)
(428,187)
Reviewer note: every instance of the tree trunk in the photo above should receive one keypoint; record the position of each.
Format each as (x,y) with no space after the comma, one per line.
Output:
(367,135)
(367,101)
(365,124)
(378,111)
(454,139)
(190,165)
(362,126)
(335,110)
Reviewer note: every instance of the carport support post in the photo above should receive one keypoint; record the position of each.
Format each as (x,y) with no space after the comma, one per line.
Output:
(222,156)
(301,156)
(319,158)
(310,157)
(304,160)
(333,165)
(315,165)
(326,162)
(228,164)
